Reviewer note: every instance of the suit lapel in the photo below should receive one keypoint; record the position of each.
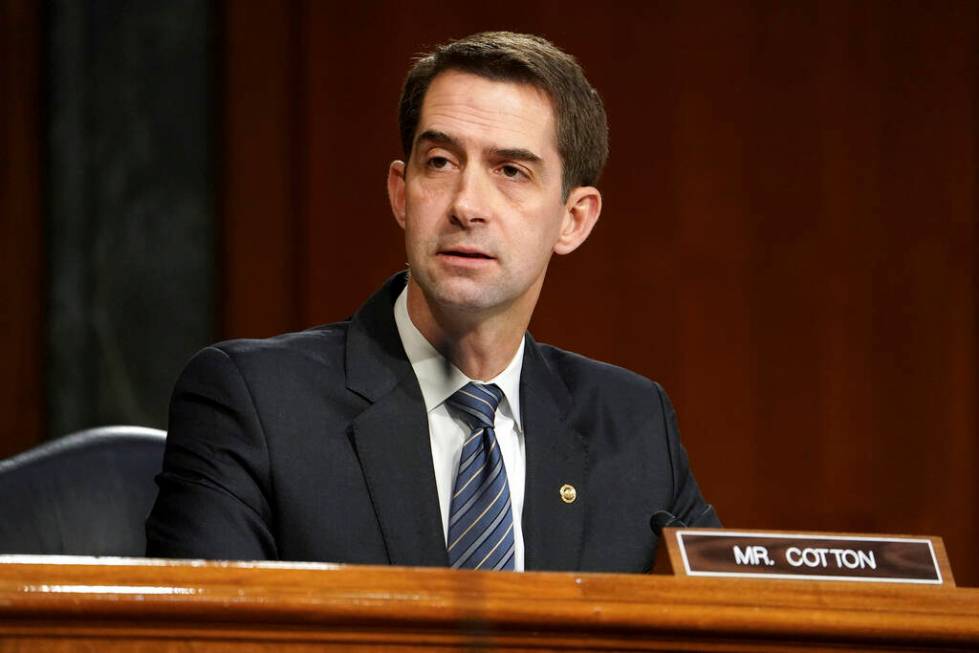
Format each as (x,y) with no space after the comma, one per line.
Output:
(556,456)
(396,457)
(391,436)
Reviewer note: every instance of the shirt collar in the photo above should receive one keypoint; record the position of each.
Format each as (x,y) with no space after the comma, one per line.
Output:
(439,378)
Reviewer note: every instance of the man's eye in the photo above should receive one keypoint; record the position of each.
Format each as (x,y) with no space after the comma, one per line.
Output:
(511,171)
(438,162)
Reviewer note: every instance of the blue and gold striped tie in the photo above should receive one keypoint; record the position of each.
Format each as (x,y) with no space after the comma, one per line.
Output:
(480,517)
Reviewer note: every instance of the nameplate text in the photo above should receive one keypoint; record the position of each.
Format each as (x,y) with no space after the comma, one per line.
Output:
(808,556)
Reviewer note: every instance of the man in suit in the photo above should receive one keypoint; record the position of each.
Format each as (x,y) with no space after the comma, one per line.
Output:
(430,428)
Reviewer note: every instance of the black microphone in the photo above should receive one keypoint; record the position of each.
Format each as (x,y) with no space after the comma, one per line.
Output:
(662,519)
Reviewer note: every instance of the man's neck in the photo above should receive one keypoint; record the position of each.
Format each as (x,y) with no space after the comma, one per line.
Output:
(481,346)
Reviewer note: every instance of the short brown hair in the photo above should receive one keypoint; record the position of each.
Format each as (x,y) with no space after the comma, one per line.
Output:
(582,129)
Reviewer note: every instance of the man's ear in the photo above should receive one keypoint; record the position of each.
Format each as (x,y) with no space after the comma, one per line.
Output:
(581,212)
(396,190)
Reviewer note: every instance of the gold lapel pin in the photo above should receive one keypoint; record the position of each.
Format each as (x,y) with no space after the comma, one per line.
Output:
(568,493)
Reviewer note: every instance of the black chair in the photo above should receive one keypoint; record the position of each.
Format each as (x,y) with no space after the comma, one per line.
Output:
(87,493)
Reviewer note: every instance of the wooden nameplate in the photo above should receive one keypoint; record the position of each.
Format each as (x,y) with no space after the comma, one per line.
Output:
(803,556)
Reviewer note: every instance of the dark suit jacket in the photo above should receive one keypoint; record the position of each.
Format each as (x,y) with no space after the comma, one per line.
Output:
(315,446)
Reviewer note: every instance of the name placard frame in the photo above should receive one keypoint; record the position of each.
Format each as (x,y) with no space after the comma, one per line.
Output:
(804,556)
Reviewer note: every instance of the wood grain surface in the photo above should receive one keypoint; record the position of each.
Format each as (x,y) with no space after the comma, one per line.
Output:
(132,605)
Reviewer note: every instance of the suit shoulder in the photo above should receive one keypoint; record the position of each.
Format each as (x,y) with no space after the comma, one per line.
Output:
(326,337)
(318,346)
(585,375)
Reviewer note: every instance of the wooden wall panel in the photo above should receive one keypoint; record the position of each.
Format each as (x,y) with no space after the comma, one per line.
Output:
(260,155)
(21,248)
(789,240)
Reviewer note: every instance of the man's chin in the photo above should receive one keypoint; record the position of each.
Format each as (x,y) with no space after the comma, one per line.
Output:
(467,301)
(460,295)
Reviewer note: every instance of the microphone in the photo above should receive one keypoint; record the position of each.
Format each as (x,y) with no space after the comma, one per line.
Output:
(662,519)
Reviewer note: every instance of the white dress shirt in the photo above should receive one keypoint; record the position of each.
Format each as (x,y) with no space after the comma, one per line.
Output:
(439,379)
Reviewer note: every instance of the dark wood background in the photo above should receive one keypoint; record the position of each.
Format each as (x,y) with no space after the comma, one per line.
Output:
(789,241)
(21,237)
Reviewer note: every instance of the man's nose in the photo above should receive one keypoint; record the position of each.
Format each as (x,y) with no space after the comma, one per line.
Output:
(471,203)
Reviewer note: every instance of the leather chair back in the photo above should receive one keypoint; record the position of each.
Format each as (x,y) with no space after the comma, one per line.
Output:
(87,493)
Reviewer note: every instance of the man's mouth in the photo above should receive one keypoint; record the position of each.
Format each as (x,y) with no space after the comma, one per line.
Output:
(465,253)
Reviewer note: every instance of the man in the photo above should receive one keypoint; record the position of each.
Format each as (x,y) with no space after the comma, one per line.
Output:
(430,428)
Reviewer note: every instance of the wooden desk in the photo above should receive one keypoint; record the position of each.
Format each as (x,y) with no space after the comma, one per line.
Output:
(88,604)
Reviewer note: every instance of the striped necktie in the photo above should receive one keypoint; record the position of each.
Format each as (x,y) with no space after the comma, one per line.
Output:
(480,518)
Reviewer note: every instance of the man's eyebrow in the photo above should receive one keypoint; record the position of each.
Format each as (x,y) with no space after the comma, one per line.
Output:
(436,136)
(517,154)
(514,153)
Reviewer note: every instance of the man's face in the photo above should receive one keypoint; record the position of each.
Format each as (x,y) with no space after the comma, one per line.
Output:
(480,198)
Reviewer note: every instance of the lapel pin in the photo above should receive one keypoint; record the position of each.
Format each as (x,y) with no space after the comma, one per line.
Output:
(568,493)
